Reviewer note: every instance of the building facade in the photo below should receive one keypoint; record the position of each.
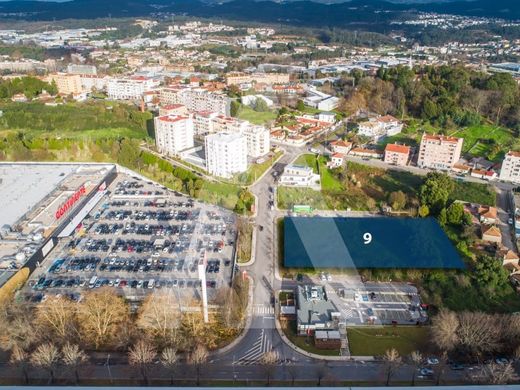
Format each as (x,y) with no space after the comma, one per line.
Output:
(439,152)
(132,88)
(397,154)
(226,154)
(173,134)
(510,170)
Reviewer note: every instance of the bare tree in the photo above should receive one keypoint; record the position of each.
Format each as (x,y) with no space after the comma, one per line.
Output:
(498,374)
(478,333)
(440,368)
(46,356)
(73,357)
(142,355)
(392,362)
(197,358)
(444,330)
(159,317)
(292,370)
(170,359)
(269,360)
(20,359)
(416,360)
(321,372)
(102,315)
(57,318)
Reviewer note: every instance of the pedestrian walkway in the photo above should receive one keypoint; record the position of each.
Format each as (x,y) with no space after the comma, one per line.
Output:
(263,309)
(255,353)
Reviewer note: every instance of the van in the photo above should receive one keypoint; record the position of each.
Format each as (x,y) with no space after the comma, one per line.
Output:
(151,283)
(92,282)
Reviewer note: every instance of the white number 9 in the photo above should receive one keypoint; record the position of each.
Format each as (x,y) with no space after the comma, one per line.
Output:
(368,238)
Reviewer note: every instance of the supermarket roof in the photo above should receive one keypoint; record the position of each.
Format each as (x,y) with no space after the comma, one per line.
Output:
(369,242)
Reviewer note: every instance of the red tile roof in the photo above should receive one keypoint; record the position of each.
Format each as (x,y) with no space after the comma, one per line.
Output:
(397,148)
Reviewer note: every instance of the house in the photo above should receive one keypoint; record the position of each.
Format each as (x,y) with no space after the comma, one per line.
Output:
(341,146)
(487,215)
(380,127)
(314,311)
(397,154)
(485,175)
(509,257)
(366,153)
(299,175)
(491,234)
(327,339)
(336,160)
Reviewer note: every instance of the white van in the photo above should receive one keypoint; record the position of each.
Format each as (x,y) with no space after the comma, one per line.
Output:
(151,283)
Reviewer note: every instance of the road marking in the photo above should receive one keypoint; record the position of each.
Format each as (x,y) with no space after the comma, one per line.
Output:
(254,354)
(263,309)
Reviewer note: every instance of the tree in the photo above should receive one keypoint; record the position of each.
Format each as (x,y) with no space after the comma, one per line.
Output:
(197,358)
(57,317)
(159,317)
(444,330)
(142,355)
(435,191)
(397,200)
(423,211)
(455,213)
(300,105)
(102,315)
(235,108)
(497,374)
(20,358)
(46,356)
(269,360)
(169,359)
(442,218)
(490,276)
(478,333)
(392,362)
(441,368)
(416,360)
(260,105)
(73,357)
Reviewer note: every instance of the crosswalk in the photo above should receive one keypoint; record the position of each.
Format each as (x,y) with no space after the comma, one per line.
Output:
(254,354)
(263,309)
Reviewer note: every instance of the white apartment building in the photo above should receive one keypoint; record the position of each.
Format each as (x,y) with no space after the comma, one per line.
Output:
(173,133)
(132,88)
(258,140)
(510,170)
(299,176)
(196,99)
(81,69)
(93,82)
(226,154)
(439,152)
(381,127)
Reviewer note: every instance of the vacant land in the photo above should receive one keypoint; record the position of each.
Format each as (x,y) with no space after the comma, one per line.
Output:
(488,141)
(367,341)
(255,171)
(290,196)
(256,117)
(474,193)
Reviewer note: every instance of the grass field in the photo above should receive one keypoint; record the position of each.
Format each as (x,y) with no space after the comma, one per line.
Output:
(305,343)
(258,118)
(222,194)
(289,196)
(366,341)
(486,141)
(319,165)
(474,193)
(255,171)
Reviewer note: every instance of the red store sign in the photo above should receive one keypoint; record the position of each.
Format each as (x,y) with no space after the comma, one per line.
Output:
(70,202)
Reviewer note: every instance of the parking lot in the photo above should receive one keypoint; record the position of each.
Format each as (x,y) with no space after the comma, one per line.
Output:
(374,303)
(141,237)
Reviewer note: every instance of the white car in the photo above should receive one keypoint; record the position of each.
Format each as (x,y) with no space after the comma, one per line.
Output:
(432,361)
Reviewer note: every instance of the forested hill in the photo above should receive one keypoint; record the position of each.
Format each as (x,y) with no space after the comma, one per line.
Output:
(357,12)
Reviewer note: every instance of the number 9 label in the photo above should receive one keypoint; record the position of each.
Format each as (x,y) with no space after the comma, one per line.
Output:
(367,237)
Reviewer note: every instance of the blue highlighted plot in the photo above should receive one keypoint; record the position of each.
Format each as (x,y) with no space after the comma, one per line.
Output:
(373,242)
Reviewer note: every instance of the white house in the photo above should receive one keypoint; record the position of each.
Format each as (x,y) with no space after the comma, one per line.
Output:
(381,127)
(226,154)
(299,176)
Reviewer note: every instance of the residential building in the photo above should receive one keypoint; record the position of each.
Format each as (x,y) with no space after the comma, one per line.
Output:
(397,154)
(226,154)
(314,311)
(340,146)
(133,88)
(196,99)
(265,78)
(487,215)
(173,133)
(91,83)
(336,160)
(67,84)
(439,151)
(510,170)
(258,141)
(299,175)
(366,153)
(81,69)
(378,128)
(173,109)
(491,234)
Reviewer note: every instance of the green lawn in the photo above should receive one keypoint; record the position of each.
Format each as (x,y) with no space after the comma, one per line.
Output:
(256,170)
(485,140)
(222,194)
(474,193)
(92,134)
(306,343)
(289,196)
(319,165)
(367,341)
(258,118)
